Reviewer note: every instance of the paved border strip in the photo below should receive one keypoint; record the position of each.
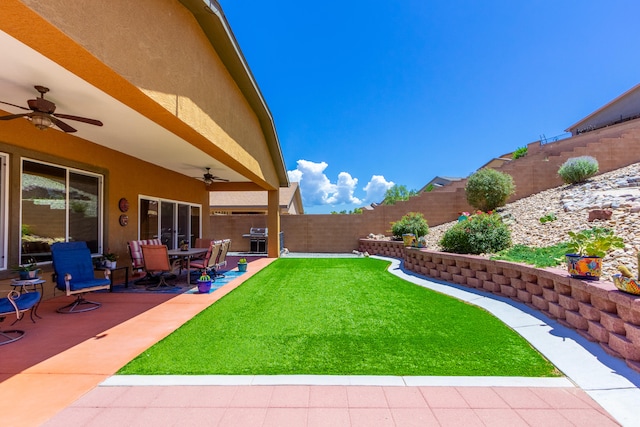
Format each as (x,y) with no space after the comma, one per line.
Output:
(344,380)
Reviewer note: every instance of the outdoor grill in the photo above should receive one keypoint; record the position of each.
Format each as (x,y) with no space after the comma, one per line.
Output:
(258,238)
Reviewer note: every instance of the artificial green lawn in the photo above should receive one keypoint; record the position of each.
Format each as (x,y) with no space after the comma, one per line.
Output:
(340,317)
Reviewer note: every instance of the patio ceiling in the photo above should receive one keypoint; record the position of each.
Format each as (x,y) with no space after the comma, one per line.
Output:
(125,130)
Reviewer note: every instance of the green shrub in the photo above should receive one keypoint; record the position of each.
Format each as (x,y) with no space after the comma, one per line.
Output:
(520,152)
(578,169)
(26,229)
(413,222)
(548,218)
(548,256)
(488,189)
(481,233)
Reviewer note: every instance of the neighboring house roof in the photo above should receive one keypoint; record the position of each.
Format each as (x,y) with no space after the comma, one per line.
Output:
(440,181)
(623,108)
(496,162)
(290,200)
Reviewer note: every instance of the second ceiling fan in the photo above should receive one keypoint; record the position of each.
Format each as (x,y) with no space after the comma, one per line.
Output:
(208,178)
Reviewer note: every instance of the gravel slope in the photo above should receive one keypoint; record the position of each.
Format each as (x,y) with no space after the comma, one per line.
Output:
(617,191)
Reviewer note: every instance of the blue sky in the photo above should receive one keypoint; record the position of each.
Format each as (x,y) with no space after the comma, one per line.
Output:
(367,94)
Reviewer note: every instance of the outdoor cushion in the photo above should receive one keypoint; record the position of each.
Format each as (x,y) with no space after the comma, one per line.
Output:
(74,258)
(24,302)
(135,250)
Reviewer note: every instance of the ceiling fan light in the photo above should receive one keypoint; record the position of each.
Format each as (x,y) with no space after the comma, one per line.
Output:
(208,181)
(41,121)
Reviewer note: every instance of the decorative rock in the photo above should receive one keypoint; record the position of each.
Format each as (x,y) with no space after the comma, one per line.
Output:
(604,214)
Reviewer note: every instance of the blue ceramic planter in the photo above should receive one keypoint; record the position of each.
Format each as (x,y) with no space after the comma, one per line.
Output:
(204,287)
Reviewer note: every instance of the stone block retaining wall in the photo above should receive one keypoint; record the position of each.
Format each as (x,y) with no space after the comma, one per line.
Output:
(595,309)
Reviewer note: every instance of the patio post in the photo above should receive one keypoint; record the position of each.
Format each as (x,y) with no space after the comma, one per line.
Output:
(273,222)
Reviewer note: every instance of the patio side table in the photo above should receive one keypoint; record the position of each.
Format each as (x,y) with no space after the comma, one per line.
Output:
(22,285)
(112,270)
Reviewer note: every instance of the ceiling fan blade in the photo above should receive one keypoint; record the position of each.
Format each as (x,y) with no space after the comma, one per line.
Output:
(62,125)
(13,116)
(215,178)
(14,105)
(79,119)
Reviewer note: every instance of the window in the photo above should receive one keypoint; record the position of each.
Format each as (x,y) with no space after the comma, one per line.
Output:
(170,221)
(4,216)
(58,205)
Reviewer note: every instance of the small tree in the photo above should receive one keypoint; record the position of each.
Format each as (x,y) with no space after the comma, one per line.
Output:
(397,193)
(412,223)
(488,189)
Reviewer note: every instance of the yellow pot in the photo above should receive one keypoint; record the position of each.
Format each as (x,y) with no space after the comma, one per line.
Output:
(626,284)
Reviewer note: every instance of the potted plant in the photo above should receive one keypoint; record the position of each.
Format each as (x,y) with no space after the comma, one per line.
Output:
(204,283)
(27,271)
(410,227)
(110,259)
(242,264)
(588,247)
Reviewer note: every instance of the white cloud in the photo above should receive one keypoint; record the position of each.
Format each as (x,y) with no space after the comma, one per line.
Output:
(295,175)
(344,190)
(318,190)
(315,187)
(376,188)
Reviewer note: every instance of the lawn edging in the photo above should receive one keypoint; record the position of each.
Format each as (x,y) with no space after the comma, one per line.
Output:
(597,310)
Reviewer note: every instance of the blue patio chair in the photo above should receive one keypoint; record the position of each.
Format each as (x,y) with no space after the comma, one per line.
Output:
(16,303)
(74,274)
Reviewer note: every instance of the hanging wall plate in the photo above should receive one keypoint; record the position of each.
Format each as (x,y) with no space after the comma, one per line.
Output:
(123,204)
(124,220)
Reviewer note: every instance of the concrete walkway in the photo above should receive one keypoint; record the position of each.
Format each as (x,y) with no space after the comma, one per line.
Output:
(75,386)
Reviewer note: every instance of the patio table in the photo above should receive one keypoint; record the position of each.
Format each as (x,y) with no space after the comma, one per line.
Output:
(188,255)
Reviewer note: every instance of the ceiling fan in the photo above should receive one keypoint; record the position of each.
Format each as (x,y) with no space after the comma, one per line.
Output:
(42,113)
(208,178)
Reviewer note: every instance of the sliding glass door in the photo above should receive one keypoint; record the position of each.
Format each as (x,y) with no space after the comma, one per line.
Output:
(168,224)
(170,221)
